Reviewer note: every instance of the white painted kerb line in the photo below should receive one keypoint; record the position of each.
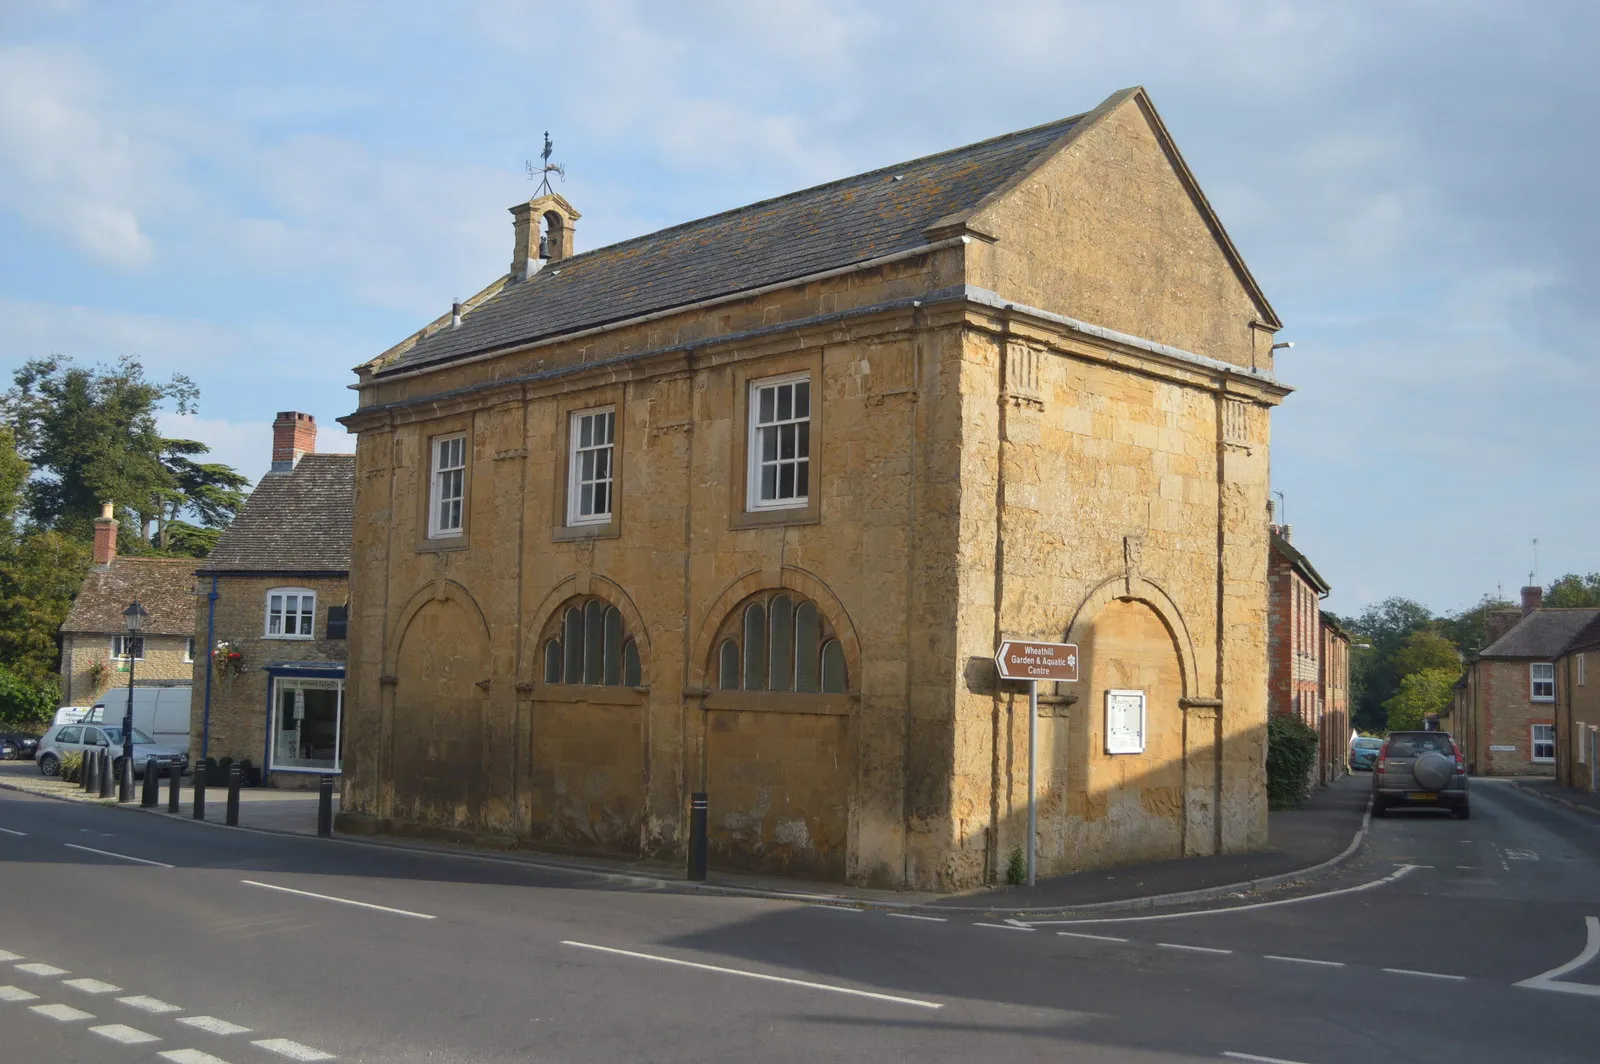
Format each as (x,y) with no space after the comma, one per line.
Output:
(1547,980)
(118,856)
(851,991)
(149,1004)
(1305,960)
(7,958)
(190,1056)
(63,1013)
(43,971)
(914,916)
(293,1050)
(16,993)
(92,986)
(1426,975)
(1258,1060)
(341,901)
(214,1025)
(1097,938)
(128,1036)
(1190,949)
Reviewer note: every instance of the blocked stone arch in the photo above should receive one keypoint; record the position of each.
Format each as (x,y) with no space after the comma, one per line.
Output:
(792,578)
(1152,595)
(530,666)
(436,590)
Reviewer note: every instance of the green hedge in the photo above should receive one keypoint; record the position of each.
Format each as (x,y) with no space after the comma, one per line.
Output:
(1291,755)
(25,706)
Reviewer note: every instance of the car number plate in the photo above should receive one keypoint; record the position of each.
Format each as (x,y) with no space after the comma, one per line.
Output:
(1424,796)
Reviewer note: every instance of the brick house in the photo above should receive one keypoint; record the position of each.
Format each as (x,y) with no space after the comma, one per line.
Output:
(96,652)
(1578,710)
(276,591)
(744,506)
(1308,656)
(1504,717)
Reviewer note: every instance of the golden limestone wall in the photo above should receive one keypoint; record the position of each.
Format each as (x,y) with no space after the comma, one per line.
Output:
(89,672)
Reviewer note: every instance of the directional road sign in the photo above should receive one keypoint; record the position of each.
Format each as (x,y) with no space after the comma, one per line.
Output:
(1019,659)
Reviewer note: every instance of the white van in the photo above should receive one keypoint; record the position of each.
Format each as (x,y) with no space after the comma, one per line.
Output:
(160,712)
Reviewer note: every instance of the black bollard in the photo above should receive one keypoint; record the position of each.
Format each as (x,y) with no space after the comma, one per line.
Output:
(325,808)
(200,792)
(106,783)
(151,795)
(172,792)
(125,780)
(698,804)
(91,772)
(235,778)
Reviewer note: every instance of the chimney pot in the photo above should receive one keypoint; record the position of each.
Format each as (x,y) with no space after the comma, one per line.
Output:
(293,434)
(105,536)
(455,314)
(1532,599)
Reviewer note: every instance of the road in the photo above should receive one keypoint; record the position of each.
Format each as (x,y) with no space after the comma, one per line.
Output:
(128,936)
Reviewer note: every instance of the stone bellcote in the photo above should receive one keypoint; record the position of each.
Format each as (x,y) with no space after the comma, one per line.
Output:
(543,228)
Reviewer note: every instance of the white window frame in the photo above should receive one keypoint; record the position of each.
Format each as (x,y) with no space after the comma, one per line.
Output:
(188,650)
(1583,669)
(755,464)
(1540,673)
(447,484)
(119,647)
(283,594)
(1121,705)
(576,452)
(1534,742)
(275,724)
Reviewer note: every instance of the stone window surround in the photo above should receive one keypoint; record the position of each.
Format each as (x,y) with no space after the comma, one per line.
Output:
(559,635)
(438,471)
(831,669)
(771,369)
(1541,674)
(598,419)
(756,427)
(589,400)
(460,425)
(266,624)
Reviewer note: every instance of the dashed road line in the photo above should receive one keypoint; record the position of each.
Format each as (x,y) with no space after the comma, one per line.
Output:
(214,1025)
(1193,949)
(121,1032)
(841,908)
(118,856)
(293,1050)
(92,986)
(149,1004)
(7,958)
(915,916)
(190,1056)
(1096,938)
(18,834)
(763,976)
(341,901)
(1002,927)
(1425,975)
(1304,960)
(16,993)
(44,971)
(61,1013)
(1253,1059)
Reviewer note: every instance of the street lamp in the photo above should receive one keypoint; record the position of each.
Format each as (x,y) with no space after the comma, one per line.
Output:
(133,619)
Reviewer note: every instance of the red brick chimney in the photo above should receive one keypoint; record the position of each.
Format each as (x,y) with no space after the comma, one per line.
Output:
(105,536)
(293,434)
(1532,599)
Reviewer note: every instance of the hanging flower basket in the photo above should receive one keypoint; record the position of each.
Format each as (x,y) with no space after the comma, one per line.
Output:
(227,659)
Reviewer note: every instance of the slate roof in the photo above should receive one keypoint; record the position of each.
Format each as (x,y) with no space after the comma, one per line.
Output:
(1588,637)
(1541,635)
(827,227)
(163,586)
(295,522)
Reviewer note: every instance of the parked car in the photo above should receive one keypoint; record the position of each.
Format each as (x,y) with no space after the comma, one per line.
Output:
(1364,752)
(66,739)
(1420,768)
(18,746)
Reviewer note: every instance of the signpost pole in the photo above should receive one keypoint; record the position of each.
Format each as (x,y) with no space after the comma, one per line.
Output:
(1033,778)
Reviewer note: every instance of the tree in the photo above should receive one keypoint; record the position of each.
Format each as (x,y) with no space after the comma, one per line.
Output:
(13,481)
(38,579)
(25,705)
(1421,694)
(1424,649)
(1468,629)
(212,491)
(1573,590)
(1382,627)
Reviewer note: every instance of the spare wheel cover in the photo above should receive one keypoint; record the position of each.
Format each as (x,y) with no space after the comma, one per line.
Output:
(1433,770)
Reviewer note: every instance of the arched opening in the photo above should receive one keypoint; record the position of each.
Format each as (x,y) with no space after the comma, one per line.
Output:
(588,643)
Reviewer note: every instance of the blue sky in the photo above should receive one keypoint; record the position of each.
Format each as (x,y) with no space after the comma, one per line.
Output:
(262,195)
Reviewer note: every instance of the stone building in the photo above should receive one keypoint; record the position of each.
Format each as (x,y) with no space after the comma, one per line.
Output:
(1308,656)
(96,651)
(744,506)
(1577,711)
(275,592)
(1504,717)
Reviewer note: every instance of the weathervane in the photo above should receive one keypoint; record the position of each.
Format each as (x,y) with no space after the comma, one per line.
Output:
(547,168)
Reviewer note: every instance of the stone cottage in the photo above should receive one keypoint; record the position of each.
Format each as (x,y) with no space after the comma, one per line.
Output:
(273,611)
(744,506)
(1578,711)
(96,651)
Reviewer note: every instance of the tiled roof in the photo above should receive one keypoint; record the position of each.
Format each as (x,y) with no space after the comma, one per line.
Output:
(827,227)
(1588,638)
(1542,634)
(295,522)
(163,586)
(1299,561)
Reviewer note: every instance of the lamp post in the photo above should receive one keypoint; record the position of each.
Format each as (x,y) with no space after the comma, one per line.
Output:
(133,619)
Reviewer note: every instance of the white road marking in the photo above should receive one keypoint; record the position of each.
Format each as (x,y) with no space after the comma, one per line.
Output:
(63,1013)
(150,1004)
(1002,927)
(190,1056)
(841,908)
(1548,980)
(128,1036)
(118,856)
(764,977)
(1192,949)
(214,1025)
(1390,878)
(1305,960)
(7,958)
(16,993)
(91,986)
(1097,938)
(47,971)
(914,916)
(1521,855)
(1426,975)
(293,1050)
(341,901)
(1257,1060)
(18,834)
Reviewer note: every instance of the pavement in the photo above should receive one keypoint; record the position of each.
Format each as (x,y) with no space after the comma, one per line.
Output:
(150,938)
(1584,801)
(1301,843)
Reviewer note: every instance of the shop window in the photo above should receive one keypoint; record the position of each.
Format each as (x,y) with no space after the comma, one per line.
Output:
(307,724)
(780,642)
(589,644)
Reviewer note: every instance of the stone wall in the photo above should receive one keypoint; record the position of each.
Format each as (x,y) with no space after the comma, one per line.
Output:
(88,670)
(1505,716)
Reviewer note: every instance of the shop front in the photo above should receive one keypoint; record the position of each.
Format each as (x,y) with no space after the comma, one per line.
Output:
(305,720)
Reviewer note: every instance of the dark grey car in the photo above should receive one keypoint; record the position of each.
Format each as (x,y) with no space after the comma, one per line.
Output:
(1420,769)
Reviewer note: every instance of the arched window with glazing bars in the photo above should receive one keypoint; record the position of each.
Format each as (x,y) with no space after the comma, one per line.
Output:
(588,643)
(779,641)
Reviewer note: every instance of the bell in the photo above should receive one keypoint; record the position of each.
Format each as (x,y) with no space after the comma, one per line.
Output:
(544,245)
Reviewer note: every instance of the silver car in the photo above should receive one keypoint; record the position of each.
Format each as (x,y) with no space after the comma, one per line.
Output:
(1421,769)
(90,739)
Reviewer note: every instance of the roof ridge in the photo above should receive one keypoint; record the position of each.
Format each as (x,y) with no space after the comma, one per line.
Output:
(798,193)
